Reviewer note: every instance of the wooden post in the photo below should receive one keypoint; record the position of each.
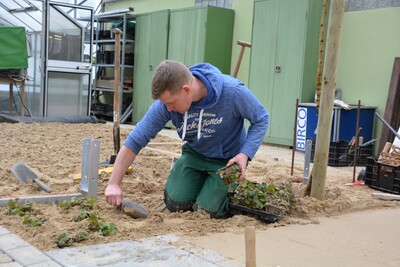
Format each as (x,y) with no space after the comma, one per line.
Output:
(250,246)
(327,97)
(320,54)
(117,90)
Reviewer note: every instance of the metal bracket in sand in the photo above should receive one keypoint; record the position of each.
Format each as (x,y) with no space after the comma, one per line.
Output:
(89,180)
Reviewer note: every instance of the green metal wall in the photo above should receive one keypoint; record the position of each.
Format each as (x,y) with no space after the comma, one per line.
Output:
(151,43)
(369,43)
(241,30)
(201,34)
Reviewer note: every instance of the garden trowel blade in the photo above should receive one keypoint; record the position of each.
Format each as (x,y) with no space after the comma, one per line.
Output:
(133,209)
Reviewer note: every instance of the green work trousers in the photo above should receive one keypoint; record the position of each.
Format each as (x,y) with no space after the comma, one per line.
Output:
(193,184)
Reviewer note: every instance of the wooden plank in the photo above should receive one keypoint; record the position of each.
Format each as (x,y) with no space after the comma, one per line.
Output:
(250,246)
(163,151)
(392,110)
(108,170)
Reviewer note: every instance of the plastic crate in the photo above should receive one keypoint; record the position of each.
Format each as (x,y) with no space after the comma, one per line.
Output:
(340,155)
(382,176)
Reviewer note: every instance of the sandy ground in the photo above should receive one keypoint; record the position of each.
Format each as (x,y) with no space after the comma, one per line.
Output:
(55,151)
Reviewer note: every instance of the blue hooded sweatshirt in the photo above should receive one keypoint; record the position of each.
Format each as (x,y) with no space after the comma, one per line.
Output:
(221,115)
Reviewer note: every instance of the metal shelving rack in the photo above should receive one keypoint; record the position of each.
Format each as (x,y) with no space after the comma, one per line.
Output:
(104,22)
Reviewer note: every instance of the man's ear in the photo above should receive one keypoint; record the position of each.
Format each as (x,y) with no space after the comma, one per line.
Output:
(186,88)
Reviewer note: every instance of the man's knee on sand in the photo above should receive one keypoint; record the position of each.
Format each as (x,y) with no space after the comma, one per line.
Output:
(175,206)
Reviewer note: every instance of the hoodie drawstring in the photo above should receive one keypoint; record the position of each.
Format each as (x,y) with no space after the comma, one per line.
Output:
(199,128)
(184,125)
(185,118)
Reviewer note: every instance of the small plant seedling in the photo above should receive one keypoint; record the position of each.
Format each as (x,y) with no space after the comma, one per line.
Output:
(82,235)
(63,240)
(33,222)
(97,224)
(18,209)
(89,203)
(66,204)
(83,214)
(86,203)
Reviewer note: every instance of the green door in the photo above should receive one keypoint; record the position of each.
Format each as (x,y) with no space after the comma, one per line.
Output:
(187,35)
(151,39)
(277,62)
(201,34)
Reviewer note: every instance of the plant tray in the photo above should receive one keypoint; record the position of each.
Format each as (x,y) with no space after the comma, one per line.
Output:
(262,215)
(258,214)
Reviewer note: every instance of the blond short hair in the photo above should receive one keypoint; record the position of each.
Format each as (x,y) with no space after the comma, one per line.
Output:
(169,75)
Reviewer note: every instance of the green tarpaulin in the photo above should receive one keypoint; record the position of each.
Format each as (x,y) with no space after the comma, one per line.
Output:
(13,50)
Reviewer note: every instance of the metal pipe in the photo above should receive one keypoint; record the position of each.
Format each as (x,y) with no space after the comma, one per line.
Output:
(388,125)
(294,136)
(358,129)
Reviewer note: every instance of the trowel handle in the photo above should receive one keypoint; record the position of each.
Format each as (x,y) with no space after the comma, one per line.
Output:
(42,185)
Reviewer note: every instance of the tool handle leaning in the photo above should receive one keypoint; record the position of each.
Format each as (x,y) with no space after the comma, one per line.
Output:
(42,185)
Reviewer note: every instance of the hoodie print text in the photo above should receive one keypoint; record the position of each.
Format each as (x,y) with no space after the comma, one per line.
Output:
(209,121)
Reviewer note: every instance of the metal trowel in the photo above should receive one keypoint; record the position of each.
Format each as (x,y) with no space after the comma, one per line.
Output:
(133,209)
(25,175)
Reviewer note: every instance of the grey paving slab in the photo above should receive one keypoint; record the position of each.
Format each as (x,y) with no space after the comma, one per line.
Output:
(15,252)
(4,258)
(49,263)
(3,231)
(11,264)
(11,241)
(168,250)
(27,255)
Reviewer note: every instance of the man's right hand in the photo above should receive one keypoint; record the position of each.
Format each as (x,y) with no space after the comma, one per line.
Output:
(113,194)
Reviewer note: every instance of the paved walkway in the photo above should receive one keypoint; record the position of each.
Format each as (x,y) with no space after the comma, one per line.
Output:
(167,250)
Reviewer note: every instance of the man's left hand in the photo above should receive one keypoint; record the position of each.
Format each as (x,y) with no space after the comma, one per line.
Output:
(240,159)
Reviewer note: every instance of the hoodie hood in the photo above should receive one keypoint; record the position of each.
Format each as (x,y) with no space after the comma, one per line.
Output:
(211,77)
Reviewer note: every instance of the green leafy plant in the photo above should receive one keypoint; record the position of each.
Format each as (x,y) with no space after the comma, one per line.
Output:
(82,235)
(83,214)
(66,204)
(83,202)
(264,196)
(63,240)
(33,222)
(18,209)
(89,203)
(100,225)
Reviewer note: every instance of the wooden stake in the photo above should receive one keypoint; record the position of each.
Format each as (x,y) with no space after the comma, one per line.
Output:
(327,98)
(250,244)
